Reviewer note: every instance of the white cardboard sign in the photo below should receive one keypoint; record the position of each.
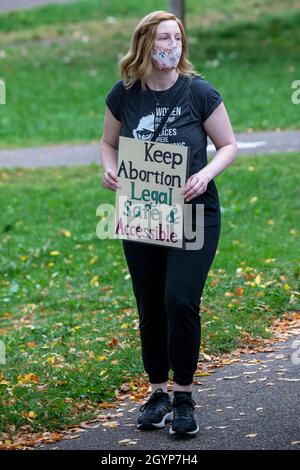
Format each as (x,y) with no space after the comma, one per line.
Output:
(149,203)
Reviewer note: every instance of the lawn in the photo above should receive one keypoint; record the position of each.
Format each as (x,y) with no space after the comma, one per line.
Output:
(59,63)
(68,316)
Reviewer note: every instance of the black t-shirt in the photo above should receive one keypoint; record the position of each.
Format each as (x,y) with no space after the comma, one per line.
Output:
(140,116)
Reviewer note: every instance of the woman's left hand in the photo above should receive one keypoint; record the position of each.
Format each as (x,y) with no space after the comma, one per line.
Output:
(196,185)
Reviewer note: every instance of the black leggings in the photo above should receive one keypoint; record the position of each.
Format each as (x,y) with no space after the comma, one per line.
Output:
(168,284)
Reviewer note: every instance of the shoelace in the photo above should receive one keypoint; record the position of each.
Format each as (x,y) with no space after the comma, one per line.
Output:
(155,397)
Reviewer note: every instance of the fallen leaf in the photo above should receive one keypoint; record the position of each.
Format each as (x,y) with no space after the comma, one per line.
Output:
(231,377)
(126,442)
(111,424)
(202,374)
(288,379)
(206,389)
(66,233)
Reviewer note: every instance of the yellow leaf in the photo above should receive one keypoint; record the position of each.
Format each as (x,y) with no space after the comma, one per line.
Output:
(94,281)
(124,326)
(51,360)
(248,268)
(3,382)
(103,372)
(257,280)
(27,378)
(101,358)
(111,424)
(32,415)
(54,253)
(67,233)
(93,260)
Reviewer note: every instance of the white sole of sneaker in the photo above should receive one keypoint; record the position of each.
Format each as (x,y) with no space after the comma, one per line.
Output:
(148,425)
(185,433)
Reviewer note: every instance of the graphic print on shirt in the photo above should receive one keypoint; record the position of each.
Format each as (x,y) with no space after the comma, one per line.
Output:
(147,125)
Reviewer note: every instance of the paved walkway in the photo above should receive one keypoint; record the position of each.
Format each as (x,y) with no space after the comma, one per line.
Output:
(69,155)
(251,404)
(10,5)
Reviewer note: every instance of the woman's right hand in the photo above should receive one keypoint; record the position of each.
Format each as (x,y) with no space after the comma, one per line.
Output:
(110,180)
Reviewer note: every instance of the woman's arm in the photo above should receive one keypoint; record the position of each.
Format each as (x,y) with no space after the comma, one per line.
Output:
(218,128)
(109,150)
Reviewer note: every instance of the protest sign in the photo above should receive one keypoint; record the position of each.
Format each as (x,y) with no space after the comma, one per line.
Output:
(150,203)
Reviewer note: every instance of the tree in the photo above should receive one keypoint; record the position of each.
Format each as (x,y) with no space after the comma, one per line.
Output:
(177,8)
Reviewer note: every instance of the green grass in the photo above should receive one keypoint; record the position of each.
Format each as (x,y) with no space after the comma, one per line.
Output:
(56,82)
(83,10)
(66,326)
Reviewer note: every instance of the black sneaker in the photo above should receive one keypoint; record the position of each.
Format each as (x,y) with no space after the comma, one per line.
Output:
(156,411)
(184,423)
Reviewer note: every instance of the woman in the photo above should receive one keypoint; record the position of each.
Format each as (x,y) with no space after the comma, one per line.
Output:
(168,282)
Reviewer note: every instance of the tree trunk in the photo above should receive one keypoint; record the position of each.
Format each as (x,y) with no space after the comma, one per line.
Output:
(177,8)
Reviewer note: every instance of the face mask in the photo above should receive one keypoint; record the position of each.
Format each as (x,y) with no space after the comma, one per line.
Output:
(167,59)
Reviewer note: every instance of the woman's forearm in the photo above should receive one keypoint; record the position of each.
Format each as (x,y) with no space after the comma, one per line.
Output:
(108,156)
(222,159)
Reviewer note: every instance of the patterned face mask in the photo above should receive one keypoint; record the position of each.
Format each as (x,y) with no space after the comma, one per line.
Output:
(167,59)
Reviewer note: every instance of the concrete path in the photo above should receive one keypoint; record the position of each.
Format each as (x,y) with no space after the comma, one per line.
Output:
(69,155)
(250,404)
(10,5)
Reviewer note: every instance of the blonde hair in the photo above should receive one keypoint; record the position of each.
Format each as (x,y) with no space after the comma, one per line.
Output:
(137,63)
